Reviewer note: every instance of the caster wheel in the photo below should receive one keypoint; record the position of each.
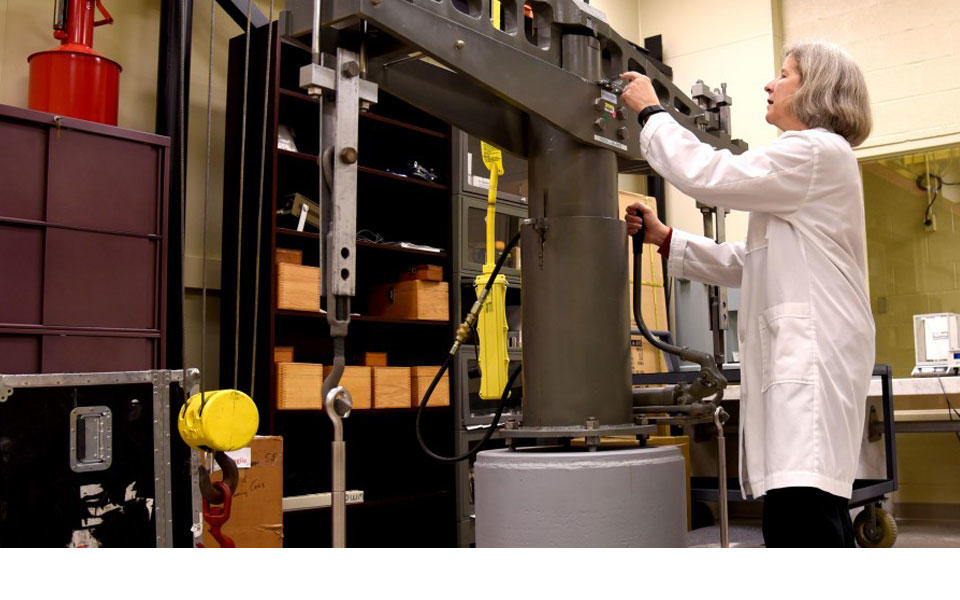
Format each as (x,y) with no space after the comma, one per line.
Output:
(884,535)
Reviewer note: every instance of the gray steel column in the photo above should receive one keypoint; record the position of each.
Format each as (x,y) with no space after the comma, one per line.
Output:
(576,340)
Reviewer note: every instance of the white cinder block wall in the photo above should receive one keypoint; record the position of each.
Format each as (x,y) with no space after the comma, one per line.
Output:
(910,53)
(718,43)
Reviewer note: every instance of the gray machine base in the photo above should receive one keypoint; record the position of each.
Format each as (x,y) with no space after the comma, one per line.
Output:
(548,498)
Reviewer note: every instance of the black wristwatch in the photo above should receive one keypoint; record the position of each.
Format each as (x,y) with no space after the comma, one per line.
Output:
(649,111)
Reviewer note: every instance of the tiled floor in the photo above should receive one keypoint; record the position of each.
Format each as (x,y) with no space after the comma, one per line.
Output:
(911,533)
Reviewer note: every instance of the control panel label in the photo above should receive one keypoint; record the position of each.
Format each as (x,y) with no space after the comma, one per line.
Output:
(609,142)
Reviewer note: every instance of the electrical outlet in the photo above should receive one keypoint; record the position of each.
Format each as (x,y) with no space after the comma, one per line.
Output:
(931,225)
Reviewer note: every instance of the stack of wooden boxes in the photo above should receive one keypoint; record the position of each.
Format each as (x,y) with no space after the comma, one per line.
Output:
(421,294)
(371,385)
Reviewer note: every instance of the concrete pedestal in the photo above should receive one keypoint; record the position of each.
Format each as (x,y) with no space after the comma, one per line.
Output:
(545,498)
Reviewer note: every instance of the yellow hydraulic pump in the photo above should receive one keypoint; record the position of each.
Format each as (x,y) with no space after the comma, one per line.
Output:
(219,420)
(492,324)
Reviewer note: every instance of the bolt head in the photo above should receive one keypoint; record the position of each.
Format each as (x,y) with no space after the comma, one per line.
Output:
(350,69)
(348,155)
(460,44)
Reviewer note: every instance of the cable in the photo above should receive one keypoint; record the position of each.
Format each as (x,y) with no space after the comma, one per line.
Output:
(206,202)
(240,199)
(259,231)
(464,330)
(952,411)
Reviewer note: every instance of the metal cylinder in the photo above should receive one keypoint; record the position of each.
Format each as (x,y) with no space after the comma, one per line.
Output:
(618,498)
(575,309)
(581,55)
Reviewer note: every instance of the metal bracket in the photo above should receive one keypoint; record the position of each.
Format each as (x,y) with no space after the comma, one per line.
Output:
(91,438)
(314,78)
(5,392)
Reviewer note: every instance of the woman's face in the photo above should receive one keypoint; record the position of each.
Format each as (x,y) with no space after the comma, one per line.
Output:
(779,92)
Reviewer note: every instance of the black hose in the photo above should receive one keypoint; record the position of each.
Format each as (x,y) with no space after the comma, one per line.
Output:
(446,364)
(701,358)
(486,436)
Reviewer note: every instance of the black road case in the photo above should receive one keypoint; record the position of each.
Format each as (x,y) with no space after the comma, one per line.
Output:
(86,460)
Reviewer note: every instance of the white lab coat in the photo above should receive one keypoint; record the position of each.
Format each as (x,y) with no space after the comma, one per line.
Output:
(805,328)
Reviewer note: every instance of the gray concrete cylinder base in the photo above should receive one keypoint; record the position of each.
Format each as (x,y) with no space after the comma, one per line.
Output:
(551,498)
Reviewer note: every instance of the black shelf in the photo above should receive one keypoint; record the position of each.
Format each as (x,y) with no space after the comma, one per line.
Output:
(299,96)
(312,235)
(395,177)
(405,480)
(309,314)
(408,126)
(298,155)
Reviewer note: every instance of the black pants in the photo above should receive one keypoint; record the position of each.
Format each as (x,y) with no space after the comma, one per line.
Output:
(805,517)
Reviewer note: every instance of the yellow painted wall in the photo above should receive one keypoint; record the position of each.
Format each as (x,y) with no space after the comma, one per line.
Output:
(912,271)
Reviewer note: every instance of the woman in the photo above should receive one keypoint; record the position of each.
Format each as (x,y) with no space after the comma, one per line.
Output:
(806,331)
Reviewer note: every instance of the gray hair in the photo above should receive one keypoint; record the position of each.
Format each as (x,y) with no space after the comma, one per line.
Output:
(832,92)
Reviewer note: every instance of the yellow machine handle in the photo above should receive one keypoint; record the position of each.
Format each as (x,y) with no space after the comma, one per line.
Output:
(221,420)
(492,323)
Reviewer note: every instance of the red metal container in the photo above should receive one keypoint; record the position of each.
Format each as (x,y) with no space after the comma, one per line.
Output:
(73,79)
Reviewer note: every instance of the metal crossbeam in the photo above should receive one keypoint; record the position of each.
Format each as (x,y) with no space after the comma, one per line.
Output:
(526,67)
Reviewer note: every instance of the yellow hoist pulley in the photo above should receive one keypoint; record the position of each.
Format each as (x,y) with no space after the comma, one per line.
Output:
(492,324)
(221,420)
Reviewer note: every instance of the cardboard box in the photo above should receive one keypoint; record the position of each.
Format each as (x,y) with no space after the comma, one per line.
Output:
(289,256)
(298,386)
(256,516)
(644,358)
(391,387)
(424,273)
(298,287)
(420,378)
(282,354)
(359,382)
(417,299)
(375,359)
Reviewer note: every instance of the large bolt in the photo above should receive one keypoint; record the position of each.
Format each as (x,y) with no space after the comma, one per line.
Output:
(460,44)
(350,69)
(348,155)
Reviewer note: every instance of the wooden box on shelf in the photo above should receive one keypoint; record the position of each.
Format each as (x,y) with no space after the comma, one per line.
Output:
(417,299)
(359,382)
(298,386)
(423,272)
(420,381)
(289,256)
(375,359)
(298,287)
(391,387)
(282,354)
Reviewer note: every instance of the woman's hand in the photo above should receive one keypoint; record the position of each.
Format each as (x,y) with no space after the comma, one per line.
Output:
(654,232)
(639,93)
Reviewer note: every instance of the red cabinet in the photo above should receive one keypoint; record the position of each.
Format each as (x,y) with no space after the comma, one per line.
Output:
(82,245)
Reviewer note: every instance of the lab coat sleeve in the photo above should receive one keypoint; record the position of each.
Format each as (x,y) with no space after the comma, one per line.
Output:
(773,179)
(702,259)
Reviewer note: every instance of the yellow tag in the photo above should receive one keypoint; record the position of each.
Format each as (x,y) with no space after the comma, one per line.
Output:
(492,157)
